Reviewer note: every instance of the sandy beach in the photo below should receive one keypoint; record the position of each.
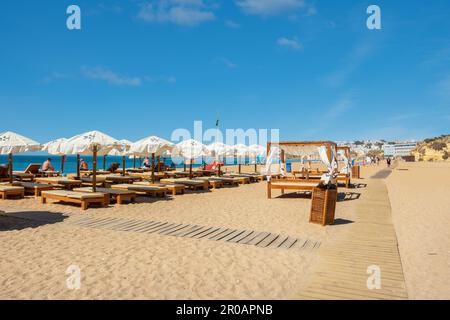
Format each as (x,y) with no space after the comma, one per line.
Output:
(419,194)
(133,265)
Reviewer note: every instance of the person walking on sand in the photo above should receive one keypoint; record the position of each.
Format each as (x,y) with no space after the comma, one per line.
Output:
(388,161)
(47,165)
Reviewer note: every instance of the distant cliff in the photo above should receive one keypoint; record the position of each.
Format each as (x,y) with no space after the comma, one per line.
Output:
(435,149)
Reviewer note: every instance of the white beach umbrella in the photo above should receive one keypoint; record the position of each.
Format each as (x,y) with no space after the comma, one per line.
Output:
(124,147)
(56,147)
(240,151)
(88,142)
(91,143)
(256,151)
(151,146)
(219,149)
(11,142)
(189,150)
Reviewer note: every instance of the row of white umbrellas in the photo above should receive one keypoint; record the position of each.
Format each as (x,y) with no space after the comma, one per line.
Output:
(84,144)
(97,143)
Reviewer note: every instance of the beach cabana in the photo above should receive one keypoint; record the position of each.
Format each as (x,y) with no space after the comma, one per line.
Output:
(324,150)
(190,150)
(93,143)
(150,146)
(55,147)
(11,142)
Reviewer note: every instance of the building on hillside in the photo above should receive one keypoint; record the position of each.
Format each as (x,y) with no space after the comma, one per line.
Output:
(399,149)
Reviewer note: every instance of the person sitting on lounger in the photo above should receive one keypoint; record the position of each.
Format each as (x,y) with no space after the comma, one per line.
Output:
(146,163)
(47,165)
(83,165)
(113,167)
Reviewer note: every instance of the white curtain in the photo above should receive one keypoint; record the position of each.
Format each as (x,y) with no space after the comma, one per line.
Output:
(330,163)
(274,154)
(347,165)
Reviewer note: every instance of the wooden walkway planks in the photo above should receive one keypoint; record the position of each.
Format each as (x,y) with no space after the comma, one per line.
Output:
(342,268)
(236,236)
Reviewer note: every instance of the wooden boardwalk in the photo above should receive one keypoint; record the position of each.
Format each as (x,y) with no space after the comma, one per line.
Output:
(341,271)
(193,231)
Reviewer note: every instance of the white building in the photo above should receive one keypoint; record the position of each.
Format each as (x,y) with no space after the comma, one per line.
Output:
(399,149)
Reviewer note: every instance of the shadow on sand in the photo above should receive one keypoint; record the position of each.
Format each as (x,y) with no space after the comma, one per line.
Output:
(29,219)
(348,196)
(340,221)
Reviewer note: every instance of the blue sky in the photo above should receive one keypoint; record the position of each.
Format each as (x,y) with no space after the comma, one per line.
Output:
(310,68)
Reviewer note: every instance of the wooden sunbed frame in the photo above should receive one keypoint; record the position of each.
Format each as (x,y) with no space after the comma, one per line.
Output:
(118,195)
(157,191)
(190,184)
(174,188)
(14,191)
(34,188)
(291,184)
(103,199)
(59,182)
(214,183)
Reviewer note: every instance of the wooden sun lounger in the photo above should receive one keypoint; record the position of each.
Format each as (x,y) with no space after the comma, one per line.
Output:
(214,183)
(88,182)
(174,188)
(23,176)
(256,176)
(252,178)
(33,187)
(15,191)
(84,199)
(148,175)
(60,182)
(230,181)
(90,172)
(119,179)
(189,183)
(118,195)
(291,184)
(155,191)
(206,172)
(239,179)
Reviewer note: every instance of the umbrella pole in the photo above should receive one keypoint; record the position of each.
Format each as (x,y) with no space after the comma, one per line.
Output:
(78,167)
(94,170)
(239,167)
(256,165)
(10,160)
(123,165)
(190,169)
(158,159)
(153,168)
(134,162)
(63,158)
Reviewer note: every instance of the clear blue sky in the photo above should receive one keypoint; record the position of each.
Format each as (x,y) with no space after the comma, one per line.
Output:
(310,68)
